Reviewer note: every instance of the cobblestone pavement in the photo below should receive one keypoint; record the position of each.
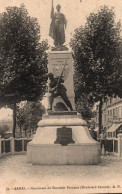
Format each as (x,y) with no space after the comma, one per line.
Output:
(16,172)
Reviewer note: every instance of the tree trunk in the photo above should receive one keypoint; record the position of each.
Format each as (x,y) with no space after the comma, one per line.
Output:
(100,115)
(20,131)
(25,133)
(14,120)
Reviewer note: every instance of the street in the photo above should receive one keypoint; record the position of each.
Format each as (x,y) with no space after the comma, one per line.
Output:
(18,176)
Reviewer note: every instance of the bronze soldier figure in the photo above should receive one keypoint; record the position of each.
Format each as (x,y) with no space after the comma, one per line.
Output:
(56,88)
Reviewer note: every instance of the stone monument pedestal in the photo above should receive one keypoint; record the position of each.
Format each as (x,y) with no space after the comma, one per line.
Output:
(63,138)
(56,63)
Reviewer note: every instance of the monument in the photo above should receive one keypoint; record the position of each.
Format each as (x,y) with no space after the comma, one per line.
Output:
(62,136)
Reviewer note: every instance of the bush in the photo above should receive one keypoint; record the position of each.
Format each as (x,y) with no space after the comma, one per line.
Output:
(3,130)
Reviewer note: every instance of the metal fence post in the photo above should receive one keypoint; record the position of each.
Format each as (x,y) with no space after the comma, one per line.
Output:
(12,145)
(22,144)
(113,145)
(120,144)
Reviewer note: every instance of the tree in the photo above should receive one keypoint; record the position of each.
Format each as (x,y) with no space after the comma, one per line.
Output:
(83,104)
(23,58)
(3,129)
(97,53)
(29,115)
(84,107)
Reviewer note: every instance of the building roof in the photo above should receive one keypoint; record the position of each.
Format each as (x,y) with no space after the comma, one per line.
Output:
(114,127)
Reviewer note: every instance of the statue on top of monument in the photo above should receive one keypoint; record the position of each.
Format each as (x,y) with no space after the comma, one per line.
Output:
(57,26)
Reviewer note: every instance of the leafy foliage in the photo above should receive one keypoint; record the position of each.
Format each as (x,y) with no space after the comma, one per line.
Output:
(84,107)
(82,101)
(22,57)
(3,129)
(29,115)
(97,53)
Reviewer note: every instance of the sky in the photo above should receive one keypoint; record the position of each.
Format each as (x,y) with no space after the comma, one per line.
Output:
(75,11)
(5,113)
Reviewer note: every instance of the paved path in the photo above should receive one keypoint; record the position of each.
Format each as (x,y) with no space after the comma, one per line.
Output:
(16,172)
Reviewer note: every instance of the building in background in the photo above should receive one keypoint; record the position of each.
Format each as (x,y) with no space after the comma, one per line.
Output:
(111,116)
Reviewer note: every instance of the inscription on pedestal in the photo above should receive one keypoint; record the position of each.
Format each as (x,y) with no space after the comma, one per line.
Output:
(58,61)
(64,136)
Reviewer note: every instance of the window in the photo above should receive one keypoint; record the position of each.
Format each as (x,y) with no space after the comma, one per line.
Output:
(97,107)
(110,100)
(114,113)
(105,117)
(111,112)
(114,134)
(109,134)
(108,112)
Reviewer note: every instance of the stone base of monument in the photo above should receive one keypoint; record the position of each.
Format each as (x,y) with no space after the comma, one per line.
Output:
(63,138)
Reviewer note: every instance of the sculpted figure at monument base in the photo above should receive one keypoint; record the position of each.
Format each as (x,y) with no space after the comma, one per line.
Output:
(56,88)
